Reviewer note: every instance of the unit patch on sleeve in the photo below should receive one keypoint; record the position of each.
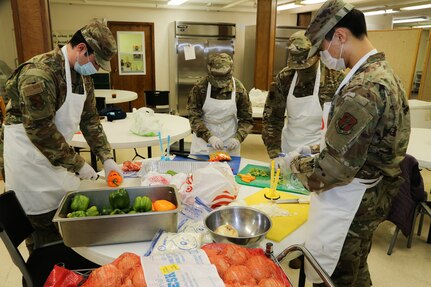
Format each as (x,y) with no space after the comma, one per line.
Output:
(34,93)
(32,89)
(346,123)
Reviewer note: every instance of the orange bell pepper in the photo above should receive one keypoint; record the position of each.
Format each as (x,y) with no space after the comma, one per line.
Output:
(114,179)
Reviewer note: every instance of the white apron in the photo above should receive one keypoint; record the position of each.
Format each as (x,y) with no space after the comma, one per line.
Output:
(38,184)
(331,212)
(220,119)
(304,115)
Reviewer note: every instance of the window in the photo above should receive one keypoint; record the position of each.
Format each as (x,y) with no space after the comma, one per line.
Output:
(131,53)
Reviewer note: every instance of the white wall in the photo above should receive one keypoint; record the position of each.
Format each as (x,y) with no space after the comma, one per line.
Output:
(72,17)
(7,44)
(379,22)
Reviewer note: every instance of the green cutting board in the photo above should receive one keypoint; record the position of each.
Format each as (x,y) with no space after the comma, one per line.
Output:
(288,183)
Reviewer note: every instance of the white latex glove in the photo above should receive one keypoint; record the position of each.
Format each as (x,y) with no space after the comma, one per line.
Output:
(87,172)
(110,165)
(304,150)
(232,144)
(289,157)
(216,143)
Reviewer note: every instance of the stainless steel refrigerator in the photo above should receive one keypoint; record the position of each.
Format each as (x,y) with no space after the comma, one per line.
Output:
(193,42)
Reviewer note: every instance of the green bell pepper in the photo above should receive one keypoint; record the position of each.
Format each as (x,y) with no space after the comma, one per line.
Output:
(119,199)
(80,202)
(142,204)
(117,211)
(106,210)
(92,211)
(78,213)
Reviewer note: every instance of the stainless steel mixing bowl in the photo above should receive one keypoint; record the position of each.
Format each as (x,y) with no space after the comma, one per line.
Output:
(252,225)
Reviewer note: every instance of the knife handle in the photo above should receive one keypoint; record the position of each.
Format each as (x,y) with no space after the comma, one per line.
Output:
(179,153)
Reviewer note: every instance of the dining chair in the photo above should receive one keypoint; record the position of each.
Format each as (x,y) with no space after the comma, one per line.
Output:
(15,227)
(158,101)
(406,204)
(424,209)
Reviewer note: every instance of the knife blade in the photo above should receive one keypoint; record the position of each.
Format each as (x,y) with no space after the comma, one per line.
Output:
(293,200)
(190,156)
(196,157)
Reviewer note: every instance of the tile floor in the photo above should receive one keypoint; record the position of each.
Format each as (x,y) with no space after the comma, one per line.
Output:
(405,267)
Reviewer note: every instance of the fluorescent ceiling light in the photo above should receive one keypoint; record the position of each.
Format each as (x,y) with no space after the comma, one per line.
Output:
(422,26)
(176,2)
(380,12)
(409,20)
(288,6)
(312,1)
(417,7)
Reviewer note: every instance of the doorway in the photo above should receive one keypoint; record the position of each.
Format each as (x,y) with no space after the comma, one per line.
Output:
(133,68)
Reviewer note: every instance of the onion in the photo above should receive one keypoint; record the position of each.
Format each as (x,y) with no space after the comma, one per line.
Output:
(271,282)
(260,267)
(239,274)
(227,230)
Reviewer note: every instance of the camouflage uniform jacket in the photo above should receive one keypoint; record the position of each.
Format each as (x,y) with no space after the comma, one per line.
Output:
(36,111)
(275,105)
(196,101)
(368,131)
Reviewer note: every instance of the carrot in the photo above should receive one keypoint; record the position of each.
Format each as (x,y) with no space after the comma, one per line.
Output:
(114,179)
(247,177)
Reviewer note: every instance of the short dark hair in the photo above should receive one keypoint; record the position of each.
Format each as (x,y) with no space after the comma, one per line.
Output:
(77,38)
(354,21)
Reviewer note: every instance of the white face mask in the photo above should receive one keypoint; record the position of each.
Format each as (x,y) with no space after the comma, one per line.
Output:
(331,62)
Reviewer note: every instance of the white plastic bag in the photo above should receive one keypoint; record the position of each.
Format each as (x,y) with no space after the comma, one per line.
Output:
(145,123)
(257,97)
(155,178)
(215,185)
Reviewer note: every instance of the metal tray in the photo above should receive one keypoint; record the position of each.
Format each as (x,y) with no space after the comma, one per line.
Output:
(119,228)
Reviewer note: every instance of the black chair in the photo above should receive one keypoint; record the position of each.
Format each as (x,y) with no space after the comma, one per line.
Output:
(158,101)
(15,227)
(407,203)
(424,209)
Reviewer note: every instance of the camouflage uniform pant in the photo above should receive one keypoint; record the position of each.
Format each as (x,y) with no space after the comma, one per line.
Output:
(45,231)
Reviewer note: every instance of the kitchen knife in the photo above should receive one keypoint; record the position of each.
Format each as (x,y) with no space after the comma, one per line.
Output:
(293,200)
(191,156)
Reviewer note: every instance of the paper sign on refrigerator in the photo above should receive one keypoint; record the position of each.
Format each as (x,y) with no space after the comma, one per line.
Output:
(189,52)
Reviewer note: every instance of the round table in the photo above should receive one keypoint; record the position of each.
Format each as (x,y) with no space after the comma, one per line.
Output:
(119,134)
(420,146)
(105,254)
(121,96)
(120,137)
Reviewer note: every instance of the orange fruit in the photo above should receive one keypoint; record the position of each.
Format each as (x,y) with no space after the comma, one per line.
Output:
(163,205)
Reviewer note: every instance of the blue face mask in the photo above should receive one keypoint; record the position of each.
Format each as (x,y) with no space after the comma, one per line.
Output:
(86,69)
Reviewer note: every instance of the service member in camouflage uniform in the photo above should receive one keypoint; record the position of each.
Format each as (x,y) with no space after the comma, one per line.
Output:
(303,101)
(357,174)
(49,98)
(219,109)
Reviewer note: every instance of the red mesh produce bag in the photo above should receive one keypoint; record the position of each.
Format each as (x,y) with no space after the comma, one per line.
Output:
(62,277)
(238,266)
